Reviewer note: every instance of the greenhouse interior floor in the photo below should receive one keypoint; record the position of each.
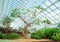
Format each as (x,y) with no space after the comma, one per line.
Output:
(32,40)
(27,40)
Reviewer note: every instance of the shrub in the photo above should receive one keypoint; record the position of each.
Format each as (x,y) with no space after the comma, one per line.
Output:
(5,30)
(58,30)
(45,33)
(36,35)
(3,36)
(14,36)
(55,36)
(48,32)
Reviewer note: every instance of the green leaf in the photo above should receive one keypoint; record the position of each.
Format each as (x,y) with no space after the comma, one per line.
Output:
(15,12)
(7,20)
(39,7)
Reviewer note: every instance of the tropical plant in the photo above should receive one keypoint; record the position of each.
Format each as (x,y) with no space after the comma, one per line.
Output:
(55,37)
(46,33)
(36,35)
(3,36)
(9,36)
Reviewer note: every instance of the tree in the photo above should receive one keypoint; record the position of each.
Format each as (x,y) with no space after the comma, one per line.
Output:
(17,13)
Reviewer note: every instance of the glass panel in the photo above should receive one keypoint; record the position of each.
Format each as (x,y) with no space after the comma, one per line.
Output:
(53,7)
(53,1)
(57,4)
(47,3)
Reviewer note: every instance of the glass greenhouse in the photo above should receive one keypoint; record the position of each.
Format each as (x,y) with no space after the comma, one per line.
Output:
(30,16)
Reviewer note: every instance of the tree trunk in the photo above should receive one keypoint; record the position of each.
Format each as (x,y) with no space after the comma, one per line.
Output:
(25,33)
